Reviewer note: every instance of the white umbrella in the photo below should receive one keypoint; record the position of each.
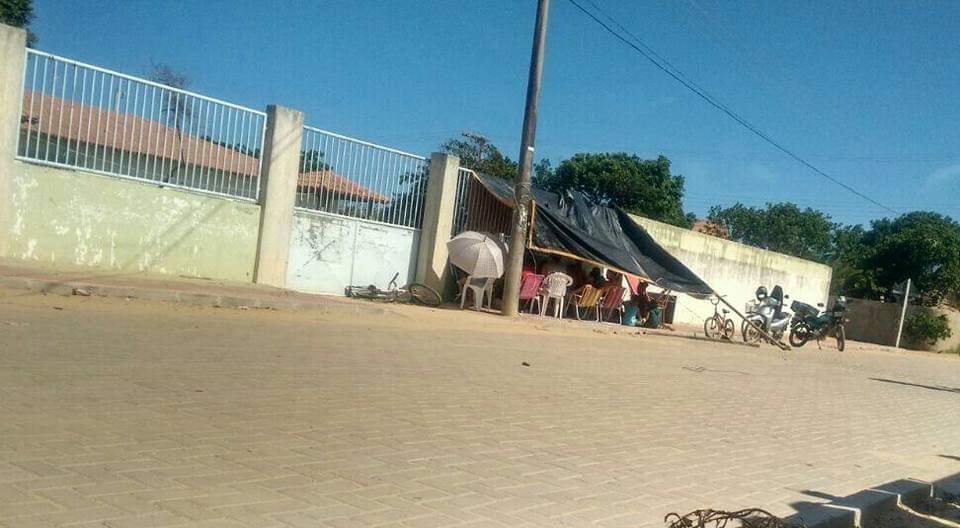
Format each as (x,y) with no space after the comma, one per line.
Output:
(477,254)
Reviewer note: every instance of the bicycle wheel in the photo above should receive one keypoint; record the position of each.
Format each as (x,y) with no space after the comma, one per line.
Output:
(711,327)
(423,294)
(729,329)
(841,338)
(751,334)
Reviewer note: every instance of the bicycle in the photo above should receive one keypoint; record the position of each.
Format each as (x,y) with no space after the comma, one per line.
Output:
(718,325)
(413,293)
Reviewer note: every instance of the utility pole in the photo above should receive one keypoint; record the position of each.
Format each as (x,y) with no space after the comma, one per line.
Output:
(521,191)
(903,311)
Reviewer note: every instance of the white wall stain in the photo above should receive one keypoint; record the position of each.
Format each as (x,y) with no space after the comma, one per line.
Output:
(22,186)
(31,250)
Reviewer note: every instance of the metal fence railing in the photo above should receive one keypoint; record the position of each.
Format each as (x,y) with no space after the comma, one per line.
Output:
(460,204)
(83,117)
(350,177)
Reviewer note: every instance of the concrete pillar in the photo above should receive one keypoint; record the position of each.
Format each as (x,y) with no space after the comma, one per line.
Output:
(13,43)
(438,212)
(278,193)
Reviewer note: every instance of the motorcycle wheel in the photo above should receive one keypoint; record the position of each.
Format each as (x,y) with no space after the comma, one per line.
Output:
(729,329)
(841,338)
(711,328)
(799,335)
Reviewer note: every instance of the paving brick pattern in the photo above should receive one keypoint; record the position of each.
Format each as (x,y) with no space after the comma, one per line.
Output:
(146,414)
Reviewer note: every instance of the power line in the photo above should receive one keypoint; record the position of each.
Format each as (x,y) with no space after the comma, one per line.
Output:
(678,76)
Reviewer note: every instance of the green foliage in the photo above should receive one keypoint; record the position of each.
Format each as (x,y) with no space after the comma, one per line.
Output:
(922,246)
(780,227)
(543,171)
(846,253)
(624,181)
(478,154)
(312,161)
(18,13)
(927,328)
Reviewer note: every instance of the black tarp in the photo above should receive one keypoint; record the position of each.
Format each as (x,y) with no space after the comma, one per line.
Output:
(570,224)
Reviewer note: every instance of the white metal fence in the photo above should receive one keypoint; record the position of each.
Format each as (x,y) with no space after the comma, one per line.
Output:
(350,177)
(461,200)
(80,116)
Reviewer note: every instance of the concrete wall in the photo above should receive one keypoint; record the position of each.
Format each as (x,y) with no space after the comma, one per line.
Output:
(12,59)
(876,322)
(736,270)
(329,252)
(84,219)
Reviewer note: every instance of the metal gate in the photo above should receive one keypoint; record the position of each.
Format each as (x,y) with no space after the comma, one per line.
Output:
(358,215)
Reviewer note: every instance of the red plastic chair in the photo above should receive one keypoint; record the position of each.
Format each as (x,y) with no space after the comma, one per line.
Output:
(530,290)
(612,301)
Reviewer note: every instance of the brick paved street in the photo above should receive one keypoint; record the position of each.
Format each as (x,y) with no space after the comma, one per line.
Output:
(134,413)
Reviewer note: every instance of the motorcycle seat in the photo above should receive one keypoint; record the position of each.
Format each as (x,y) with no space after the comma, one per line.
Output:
(725,311)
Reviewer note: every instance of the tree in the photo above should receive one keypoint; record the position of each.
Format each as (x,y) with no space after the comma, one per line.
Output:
(313,160)
(922,246)
(620,180)
(543,172)
(781,227)
(847,250)
(18,13)
(478,154)
(173,107)
(173,104)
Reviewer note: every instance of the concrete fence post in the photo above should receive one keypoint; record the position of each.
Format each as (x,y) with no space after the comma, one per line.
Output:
(278,193)
(438,212)
(13,45)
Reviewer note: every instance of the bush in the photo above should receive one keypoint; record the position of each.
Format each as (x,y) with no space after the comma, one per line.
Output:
(927,327)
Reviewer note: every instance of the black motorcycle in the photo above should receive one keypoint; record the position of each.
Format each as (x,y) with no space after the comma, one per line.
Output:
(809,323)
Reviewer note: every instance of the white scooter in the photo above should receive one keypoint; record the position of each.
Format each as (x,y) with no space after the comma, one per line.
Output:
(769,315)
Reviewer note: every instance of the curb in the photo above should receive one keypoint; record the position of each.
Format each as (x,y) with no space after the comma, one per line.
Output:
(864,506)
(213,300)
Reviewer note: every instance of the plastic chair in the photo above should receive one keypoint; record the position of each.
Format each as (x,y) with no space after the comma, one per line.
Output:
(554,287)
(612,301)
(482,288)
(530,290)
(588,297)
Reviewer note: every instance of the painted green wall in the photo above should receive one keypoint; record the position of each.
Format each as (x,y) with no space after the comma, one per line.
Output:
(75,218)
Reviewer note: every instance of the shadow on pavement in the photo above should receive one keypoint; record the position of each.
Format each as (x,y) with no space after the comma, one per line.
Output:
(931,387)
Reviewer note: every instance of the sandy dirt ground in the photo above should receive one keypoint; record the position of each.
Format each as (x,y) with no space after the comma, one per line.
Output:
(135,413)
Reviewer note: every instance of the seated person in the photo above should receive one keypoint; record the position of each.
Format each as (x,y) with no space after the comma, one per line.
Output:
(643,301)
(596,278)
(553,265)
(612,280)
(576,273)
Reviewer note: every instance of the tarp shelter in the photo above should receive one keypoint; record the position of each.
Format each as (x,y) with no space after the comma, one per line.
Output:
(572,226)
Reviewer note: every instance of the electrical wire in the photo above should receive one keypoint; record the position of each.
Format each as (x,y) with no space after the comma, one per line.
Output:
(678,76)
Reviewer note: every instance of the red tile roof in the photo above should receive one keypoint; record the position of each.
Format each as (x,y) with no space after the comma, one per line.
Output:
(127,132)
(710,228)
(332,182)
(132,133)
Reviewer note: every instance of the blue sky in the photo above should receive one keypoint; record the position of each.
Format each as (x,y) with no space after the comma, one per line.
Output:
(868,91)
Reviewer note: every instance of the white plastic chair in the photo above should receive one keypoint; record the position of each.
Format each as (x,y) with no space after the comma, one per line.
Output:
(482,288)
(554,287)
